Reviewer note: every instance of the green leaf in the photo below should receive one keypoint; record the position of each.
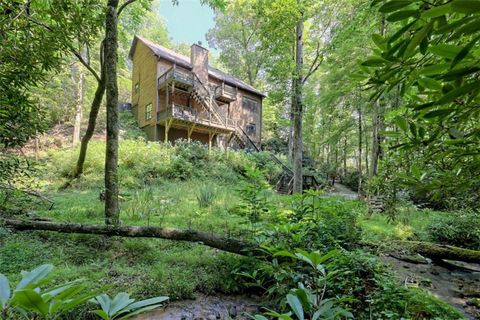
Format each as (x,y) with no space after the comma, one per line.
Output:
(30,300)
(430,83)
(402,15)
(437,11)
(401,31)
(4,290)
(434,69)
(379,41)
(295,305)
(437,113)
(104,301)
(417,38)
(401,122)
(464,52)
(102,314)
(33,277)
(284,253)
(448,51)
(140,310)
(467,29)
(394,5)
(146,302)
(455,93)
(374,62)
(121,301)
(466,6)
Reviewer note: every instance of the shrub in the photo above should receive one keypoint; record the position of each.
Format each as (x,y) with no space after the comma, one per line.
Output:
(459,229)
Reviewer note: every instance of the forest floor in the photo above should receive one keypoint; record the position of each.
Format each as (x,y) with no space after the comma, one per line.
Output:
(148,267)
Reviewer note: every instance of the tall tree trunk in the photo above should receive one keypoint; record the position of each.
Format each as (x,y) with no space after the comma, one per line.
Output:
(111,155)
(376,139)
(377,122)
(344,157)
(360,134)
(297,108)
(367,170)
(79,108)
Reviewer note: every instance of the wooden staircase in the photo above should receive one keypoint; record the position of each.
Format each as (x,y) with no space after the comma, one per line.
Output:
(285,183)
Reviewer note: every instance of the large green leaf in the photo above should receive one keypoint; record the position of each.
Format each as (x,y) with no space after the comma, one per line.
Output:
(458,92)
(401,122)
(32,278)
(120,302)
(147,302)
(400,32)
(30,300)
(394,5)
(102,314)
(402,15)
(374,62)
(437,113)
(139,310)
(448,51)
(430,83)
(4,291)
(417,38)
(296,306)
(437,11)
(466,6)
(464,52)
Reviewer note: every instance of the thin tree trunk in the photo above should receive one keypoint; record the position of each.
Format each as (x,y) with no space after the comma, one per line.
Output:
(297,108)
(344,156)
(111,154)
(367,170)
(92,117)
(360,134)
(79,108)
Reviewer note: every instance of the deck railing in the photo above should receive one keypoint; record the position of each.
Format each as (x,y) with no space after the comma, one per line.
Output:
(178,74)
(189,114)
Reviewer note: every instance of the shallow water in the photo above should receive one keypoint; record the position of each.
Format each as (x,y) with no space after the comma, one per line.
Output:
(205,307)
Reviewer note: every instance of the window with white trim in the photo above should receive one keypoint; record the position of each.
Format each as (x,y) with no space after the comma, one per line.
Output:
(148,112)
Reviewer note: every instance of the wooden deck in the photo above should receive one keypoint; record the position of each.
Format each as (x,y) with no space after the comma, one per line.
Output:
(186,117)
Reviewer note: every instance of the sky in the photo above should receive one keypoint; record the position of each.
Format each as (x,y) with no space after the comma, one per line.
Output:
(188,21)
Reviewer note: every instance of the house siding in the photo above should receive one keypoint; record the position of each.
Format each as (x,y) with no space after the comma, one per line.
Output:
(144,73)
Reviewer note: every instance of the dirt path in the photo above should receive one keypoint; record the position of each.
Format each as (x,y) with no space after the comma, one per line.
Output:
(206,308)
(343,191)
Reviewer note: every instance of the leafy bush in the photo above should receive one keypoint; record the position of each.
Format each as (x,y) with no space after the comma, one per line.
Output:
(351,179)
(461,229)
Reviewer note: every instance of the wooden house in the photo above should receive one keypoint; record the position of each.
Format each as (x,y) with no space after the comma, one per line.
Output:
(175,97)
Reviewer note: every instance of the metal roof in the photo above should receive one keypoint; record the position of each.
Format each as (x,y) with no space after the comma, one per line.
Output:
(183,61)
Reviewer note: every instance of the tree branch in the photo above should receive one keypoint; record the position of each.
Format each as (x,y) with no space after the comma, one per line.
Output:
(85,63)
(315,64)
(124,5)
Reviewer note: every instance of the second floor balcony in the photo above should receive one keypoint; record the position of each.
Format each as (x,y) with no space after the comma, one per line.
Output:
(191,116)
(181,76)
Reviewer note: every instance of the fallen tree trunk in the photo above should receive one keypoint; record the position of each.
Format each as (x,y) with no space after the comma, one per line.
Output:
(428,249)
(217,242)
(439,251)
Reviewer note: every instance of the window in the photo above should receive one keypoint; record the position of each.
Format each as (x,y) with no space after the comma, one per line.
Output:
(148,112)
(137,87)
(249,104)
(251,129)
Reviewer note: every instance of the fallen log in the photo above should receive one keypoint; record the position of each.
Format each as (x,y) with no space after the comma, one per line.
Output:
(430,250)
(213,241)
(439,251)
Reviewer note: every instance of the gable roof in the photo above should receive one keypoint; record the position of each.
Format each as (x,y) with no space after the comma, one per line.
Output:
(183,61)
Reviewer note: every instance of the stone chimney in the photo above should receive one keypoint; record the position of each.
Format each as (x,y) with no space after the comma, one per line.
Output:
(199,61)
